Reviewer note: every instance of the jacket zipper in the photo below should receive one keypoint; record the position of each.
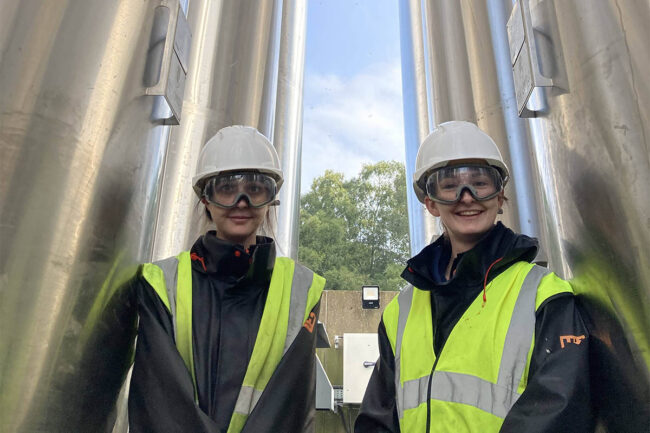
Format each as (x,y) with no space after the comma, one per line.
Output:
(435,331)
(429,396)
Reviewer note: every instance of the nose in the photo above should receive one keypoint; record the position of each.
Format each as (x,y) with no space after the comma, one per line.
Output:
(242,202)
(466,196)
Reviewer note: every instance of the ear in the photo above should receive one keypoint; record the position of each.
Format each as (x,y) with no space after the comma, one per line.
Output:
(204,201)
(432,207)
(501,198)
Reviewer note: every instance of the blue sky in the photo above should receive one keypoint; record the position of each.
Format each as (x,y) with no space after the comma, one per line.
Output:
(352,87)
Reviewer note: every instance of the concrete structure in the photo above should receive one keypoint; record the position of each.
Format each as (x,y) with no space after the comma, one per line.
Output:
(341,313)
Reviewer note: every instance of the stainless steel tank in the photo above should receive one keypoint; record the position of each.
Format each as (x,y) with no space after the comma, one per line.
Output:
(81,155)
(590,132)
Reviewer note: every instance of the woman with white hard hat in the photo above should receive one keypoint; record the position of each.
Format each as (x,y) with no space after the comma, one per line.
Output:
(482,339)
(226,334)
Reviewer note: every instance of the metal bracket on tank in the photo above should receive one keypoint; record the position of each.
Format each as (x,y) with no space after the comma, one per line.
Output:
(175,60)
(524,57)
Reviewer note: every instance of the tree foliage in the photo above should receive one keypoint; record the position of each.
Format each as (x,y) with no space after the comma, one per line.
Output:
(355,232)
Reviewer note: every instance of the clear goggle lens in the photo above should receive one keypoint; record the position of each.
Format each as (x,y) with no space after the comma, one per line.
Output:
(228,189)
(446,185)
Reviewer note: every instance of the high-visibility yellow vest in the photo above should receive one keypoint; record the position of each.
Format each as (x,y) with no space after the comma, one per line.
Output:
(483,367)
(293,292)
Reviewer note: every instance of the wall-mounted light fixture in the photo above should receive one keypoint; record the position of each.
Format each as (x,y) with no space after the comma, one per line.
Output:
(369,297)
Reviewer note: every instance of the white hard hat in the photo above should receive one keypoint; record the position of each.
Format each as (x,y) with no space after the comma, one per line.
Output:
(237,148)
(451,141)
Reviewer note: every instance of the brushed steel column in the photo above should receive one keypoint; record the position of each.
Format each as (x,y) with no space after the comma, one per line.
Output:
(416,116)
(287,136)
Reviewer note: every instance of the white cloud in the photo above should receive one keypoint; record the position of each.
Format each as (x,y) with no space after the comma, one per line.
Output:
(351,121)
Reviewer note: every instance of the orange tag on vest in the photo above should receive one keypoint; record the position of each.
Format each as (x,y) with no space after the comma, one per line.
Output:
(310,322)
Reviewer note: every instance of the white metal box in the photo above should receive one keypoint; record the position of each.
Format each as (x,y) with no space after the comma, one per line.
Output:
(360,353)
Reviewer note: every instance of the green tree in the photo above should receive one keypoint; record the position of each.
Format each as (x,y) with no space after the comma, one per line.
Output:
(355,232)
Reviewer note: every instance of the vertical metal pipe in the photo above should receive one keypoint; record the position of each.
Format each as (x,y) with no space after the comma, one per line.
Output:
(451,89)
(267,117)
(236,88)
(287,136)
(416,114)
(515,128)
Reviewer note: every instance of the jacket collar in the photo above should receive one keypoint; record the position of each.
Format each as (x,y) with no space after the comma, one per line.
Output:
(222,258)
(498,243)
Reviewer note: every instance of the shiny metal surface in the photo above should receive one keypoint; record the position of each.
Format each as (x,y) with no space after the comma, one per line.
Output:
(228,72)
(237,85)
(593,158)
(525,57)
(416,115)
(175,39)
(287,136)
(267,117)
(521,167)
(78,193)
(451,91)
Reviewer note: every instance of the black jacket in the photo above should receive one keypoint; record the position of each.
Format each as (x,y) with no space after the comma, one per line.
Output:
(557,397)
(229,290)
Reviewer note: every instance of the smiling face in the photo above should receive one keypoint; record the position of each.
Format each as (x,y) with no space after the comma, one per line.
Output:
(467,220)
(238,224)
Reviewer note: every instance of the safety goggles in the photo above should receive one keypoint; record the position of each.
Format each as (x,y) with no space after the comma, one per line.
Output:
(228,189)
(446,185)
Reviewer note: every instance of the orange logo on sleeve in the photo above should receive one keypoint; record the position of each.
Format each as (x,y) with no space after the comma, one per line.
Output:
(310,322)
(571,339)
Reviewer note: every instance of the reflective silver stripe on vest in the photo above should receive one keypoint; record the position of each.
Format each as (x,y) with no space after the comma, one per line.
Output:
(248,398)
(405,298)
(169,267)
(520,332)
(300,284)
(459,388)
(498,398)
